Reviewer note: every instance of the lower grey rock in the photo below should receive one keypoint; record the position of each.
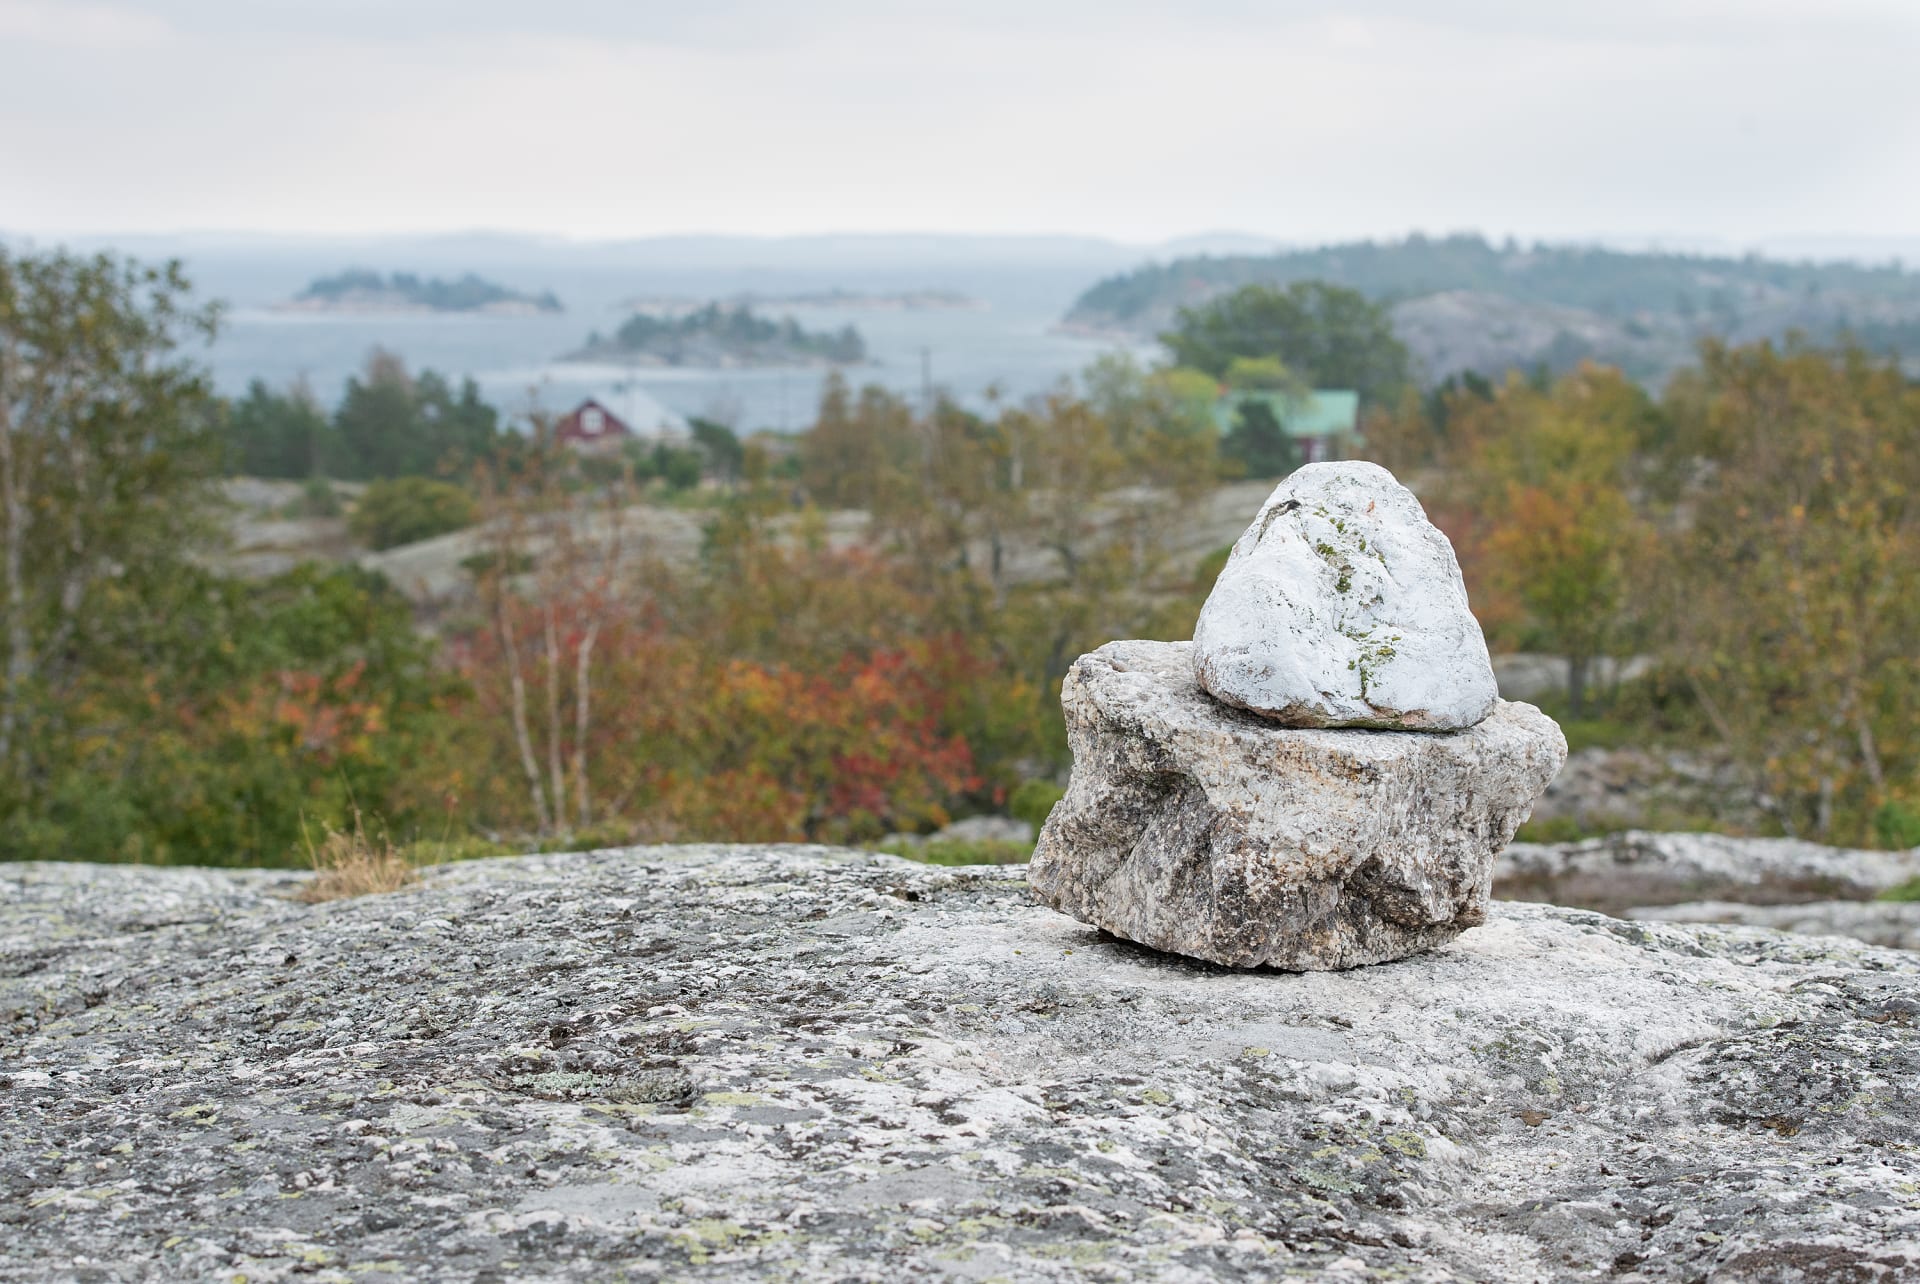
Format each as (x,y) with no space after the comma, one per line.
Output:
(1200,829)
(1622,871)
(806,1065)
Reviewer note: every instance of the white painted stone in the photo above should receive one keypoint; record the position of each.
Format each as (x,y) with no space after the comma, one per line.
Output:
(1343,606)
(1202,830)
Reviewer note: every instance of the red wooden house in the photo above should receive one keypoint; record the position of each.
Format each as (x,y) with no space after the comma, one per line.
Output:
(591,426)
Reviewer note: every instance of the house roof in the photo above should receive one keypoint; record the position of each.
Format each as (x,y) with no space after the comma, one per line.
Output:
(1321,413)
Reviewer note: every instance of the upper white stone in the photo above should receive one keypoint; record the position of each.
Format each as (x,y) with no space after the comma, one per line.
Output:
(1343,606)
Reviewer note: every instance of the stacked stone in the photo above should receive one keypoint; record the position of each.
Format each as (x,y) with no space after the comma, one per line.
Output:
(1323,776)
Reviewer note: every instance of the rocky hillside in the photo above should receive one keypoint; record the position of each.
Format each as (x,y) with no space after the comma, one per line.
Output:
(1460,303)
(802,1064)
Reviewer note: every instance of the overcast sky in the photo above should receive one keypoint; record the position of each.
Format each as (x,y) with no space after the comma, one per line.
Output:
(1729,120)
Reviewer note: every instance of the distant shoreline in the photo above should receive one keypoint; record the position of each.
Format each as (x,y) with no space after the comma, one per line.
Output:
(611,355)
(402,307)
(846,300)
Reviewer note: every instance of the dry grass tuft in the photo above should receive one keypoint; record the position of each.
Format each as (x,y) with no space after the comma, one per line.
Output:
(354,862)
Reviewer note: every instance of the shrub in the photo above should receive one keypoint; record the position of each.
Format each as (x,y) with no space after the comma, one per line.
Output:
(1897,825)
(1033,800)
(404,510)
(317,498)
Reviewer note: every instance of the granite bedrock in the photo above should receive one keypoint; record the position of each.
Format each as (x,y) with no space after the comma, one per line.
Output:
(801,1063)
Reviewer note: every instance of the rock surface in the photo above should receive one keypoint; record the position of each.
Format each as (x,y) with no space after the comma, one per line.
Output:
(1343,606)
(1622,871)
(973,829)
(797,1064)
(1894,924)
(1602,790)
(1193,827)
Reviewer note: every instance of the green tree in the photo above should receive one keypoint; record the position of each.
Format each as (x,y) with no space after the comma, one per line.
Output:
(273,434)
(1795,578)
(107,448)
(1259,442)
(678,466)
(222,714)
(1566,550)
(404,510)
(721,446)
(862,452)
(1265,374)
(1330,336)
(1538,498)
(391,424)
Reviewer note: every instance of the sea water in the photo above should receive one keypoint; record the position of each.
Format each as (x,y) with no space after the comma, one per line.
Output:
(1008,348)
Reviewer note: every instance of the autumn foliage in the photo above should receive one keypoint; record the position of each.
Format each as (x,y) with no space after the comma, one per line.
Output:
(872,634)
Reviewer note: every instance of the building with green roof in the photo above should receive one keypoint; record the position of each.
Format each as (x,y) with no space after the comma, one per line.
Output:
(1324,423)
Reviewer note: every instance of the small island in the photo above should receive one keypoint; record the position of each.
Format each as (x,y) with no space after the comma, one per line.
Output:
(362,290)
(723,336)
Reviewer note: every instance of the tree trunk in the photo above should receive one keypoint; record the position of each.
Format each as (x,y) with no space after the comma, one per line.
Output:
(1577,685)
(582,707)
(1870,753)
(554,753)
(517,687)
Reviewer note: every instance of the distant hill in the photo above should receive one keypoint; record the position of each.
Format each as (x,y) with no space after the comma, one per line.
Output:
(720,336)
(361,290)
(1461,303)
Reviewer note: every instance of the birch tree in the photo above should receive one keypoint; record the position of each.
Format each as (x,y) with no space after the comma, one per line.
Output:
(106,453)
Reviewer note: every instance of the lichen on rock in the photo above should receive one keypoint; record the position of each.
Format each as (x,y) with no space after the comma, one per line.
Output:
(799,1064)
(804,1064)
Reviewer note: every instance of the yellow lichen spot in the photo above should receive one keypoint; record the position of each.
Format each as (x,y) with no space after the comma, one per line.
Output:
(1408,1143)
(1157,1097)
